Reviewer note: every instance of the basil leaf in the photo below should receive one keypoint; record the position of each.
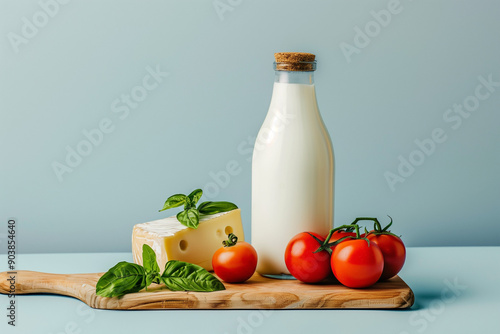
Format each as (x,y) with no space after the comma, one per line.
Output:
(195,196)
(123,278)
(189,204)
(150,265)
(189,218)
(149,260)
(152,277)
(210,208)
(183,276)
(174,201)
(202,206)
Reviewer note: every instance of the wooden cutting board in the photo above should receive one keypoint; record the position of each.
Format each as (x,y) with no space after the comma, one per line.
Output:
(257,293)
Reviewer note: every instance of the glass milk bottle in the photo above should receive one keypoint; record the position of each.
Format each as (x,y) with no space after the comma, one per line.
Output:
(292,167)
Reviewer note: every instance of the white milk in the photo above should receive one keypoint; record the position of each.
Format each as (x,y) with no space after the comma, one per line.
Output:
(292,172)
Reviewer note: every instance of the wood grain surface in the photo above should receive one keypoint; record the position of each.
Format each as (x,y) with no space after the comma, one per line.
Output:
(257,293)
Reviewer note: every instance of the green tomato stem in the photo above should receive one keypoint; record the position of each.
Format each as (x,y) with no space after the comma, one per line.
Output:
(232,239)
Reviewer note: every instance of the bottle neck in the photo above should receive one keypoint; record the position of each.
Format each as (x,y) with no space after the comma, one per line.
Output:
(294,77)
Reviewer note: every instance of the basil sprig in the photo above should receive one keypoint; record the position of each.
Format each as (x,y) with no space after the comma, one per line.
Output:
(126,277)
(190,216)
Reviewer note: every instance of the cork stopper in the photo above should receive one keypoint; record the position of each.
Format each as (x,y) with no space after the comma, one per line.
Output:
(295,61)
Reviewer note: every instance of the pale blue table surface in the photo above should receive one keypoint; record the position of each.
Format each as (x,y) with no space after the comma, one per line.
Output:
(472,305)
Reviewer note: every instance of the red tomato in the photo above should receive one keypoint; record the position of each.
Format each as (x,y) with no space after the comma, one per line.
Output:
(236,262)
(302,262)
(357,264)
(394,253)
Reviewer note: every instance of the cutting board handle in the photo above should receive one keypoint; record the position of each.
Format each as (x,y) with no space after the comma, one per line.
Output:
(26,282)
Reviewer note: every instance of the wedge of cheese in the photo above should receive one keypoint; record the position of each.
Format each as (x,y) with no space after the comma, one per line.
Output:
(171,240)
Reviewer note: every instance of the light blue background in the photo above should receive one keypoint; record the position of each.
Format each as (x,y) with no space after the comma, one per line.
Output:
(396,90)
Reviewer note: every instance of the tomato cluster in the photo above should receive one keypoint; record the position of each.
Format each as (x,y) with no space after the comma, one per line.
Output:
(356,260)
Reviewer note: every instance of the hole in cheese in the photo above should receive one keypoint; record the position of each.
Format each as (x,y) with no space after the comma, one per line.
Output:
(228,230)
(183,245)
(218,233)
